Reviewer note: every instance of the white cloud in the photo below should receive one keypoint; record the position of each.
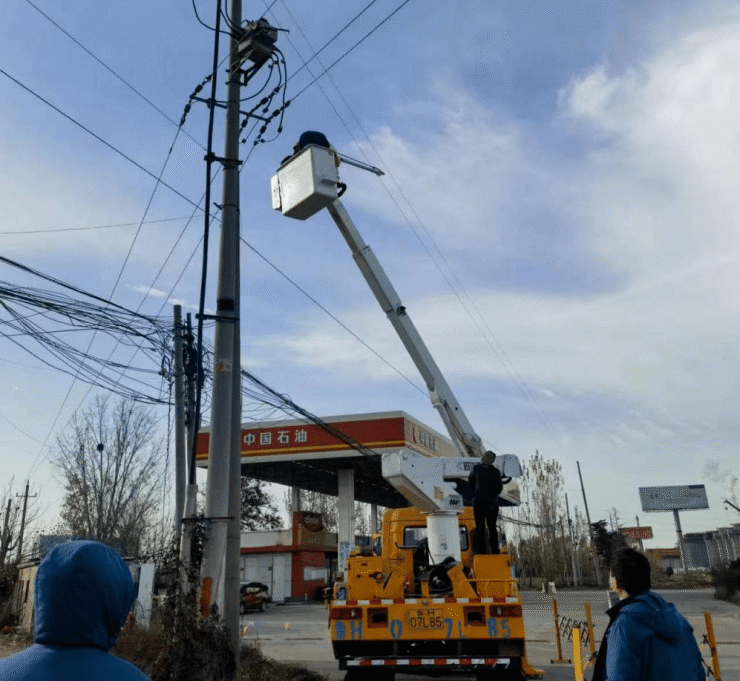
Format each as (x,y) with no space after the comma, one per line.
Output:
(665,172)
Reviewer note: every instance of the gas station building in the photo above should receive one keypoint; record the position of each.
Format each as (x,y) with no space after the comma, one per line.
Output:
(341,458)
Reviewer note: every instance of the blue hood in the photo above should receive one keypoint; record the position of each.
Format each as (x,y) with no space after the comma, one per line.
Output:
(83,594)
(651,611)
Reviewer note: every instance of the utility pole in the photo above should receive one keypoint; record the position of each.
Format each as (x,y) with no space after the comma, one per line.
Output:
(576,568)
(597,564)
(191,369)
(221,555)
(180,456)
(5,540)
(220,448)
(23,519)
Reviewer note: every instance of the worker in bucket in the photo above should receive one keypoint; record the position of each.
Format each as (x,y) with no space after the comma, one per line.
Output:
(486,484)
(83,595)
(647,638)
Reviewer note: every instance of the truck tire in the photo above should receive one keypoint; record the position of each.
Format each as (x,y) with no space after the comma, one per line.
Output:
(370,674)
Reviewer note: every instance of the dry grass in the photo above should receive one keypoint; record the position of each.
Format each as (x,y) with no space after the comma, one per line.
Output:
(256,667)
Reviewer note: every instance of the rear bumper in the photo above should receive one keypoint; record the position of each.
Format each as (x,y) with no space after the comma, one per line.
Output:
(429,663)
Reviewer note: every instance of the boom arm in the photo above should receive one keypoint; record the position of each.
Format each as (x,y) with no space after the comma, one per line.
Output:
(307,182)
(441,394)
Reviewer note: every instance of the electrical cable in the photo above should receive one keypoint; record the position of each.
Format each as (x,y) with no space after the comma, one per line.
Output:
(97,137)
(346,328)
(82,229)
(505,361)
(108,68)
(360,41)
(335,36)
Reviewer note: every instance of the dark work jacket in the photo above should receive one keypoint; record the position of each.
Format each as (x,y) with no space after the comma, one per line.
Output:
(486,484)
(647,640)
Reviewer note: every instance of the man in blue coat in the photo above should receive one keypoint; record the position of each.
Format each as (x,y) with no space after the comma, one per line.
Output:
(647,639)
(83,594)
(486,483)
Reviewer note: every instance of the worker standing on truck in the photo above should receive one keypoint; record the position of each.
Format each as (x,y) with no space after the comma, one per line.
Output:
(486,482)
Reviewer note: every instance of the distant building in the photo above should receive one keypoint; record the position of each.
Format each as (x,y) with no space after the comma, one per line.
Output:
(295,563)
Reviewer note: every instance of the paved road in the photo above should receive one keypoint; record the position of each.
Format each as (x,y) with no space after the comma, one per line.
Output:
(298,632)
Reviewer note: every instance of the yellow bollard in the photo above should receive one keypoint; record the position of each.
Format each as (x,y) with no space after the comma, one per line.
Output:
(577,663)
(560,659)
(712,645)
(589,621)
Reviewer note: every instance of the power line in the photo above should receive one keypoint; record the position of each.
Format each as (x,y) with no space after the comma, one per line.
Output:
(109,69)
(334,37)
(82,229)
(361,40)
(495,346)
(346,328)
(97,137)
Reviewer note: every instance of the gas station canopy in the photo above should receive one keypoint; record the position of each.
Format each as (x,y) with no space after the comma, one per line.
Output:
(307,455)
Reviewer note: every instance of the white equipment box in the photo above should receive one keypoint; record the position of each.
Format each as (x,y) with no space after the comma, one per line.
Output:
(305,183)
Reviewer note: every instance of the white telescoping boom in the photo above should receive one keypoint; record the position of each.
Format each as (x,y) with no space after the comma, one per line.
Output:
(304,184)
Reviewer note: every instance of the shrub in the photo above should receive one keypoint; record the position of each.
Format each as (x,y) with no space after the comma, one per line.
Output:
(726,580)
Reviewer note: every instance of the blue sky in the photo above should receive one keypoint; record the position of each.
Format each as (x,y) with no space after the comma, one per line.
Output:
(571,167)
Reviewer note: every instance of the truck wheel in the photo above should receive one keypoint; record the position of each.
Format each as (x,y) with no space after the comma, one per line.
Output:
(368,673)
(262,606)
(242,609)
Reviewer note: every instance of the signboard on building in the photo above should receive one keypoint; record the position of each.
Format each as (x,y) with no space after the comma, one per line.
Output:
(295,439)
(638,532)
(681,498)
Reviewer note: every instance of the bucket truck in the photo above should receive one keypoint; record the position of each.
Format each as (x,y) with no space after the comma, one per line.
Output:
(420,601)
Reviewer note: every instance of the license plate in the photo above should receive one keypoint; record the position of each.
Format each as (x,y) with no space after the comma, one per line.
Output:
(425,618)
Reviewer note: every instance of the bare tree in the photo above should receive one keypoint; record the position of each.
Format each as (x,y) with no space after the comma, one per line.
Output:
(111,461)
(540,543)
(327,505)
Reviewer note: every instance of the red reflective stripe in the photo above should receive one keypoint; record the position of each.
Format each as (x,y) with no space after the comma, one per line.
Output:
(414,662)
(450,600)
(490,660)
(351,603)
(466,660)
(374,601)
(440,662)
(475,600)
(390,663)
(398,600)
(366,663)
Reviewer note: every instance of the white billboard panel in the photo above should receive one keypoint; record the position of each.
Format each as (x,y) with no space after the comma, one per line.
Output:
(680,498)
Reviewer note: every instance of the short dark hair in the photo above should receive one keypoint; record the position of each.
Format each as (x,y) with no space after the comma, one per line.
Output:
(632,570)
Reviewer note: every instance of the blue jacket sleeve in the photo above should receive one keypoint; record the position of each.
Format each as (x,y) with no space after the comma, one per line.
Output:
(623,656)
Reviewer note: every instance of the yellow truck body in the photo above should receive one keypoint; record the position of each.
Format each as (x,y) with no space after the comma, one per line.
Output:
(391,613)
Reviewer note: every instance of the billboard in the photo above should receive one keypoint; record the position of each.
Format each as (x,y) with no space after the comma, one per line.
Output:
(680,498)
(638,532)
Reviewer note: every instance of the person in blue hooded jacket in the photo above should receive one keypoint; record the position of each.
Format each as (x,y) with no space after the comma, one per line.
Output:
(647,638)
(83,595)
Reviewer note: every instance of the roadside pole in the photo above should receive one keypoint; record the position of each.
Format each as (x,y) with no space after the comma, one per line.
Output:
(597,563)
(180,456)
(221,448)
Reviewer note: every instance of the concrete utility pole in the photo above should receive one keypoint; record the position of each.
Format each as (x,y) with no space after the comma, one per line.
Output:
(23,519)
(225,364)
(180,456)
(597,563)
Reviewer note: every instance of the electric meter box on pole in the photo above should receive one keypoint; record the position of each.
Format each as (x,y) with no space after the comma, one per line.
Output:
(305,183)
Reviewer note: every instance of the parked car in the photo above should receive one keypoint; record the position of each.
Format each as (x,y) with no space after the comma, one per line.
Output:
(253,596)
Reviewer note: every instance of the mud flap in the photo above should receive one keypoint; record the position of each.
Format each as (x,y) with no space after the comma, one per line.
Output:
(529,671)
